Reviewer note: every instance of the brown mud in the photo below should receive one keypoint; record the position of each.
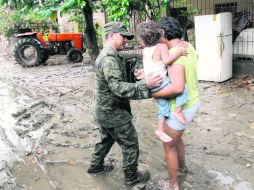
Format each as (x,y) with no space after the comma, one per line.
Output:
(47,133)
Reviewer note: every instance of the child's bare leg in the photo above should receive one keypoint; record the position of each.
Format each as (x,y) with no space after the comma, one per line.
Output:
(160,133)
(179,115)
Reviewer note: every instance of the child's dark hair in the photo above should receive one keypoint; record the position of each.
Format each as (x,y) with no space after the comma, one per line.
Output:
(149,32)
(171,28)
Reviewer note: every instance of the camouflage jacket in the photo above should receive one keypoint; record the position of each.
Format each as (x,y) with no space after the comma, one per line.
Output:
(113,91)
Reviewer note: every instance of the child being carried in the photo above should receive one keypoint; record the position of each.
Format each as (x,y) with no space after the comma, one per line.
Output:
(156,57)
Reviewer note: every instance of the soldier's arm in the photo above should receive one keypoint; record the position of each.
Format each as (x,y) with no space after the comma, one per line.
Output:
(114,76)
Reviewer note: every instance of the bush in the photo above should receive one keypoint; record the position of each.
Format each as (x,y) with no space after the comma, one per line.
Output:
(15,21)
(10,22)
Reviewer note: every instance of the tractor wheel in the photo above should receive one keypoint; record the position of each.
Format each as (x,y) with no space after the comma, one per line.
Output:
(29,52)
(74,56)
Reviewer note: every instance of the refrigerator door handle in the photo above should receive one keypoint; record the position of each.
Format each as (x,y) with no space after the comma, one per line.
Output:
(222,45)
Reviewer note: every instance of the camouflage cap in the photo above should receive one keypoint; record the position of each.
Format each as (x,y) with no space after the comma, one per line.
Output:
(118,27)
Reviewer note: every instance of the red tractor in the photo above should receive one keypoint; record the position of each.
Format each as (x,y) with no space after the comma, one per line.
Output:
(32,50)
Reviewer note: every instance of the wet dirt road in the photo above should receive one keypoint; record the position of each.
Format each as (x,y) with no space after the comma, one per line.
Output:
(47,133)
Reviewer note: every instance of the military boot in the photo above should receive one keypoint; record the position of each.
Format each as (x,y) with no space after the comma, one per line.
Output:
(132,178)
(108,167)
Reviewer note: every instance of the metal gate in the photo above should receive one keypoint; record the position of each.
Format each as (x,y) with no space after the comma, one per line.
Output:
(243,21)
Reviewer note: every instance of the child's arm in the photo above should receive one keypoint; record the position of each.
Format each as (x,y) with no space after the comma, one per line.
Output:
(170,58)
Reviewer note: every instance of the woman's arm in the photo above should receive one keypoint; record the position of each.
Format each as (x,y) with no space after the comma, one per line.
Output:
(177,78)
(167,58)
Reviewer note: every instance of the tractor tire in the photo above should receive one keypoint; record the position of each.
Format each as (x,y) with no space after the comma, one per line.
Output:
(29,52)
(74,56)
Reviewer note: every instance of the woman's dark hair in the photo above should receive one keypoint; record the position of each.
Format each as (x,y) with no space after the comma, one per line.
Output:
(171,28)
(149,32)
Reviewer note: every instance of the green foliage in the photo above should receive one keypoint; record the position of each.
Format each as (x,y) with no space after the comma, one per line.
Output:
(151,9)
(67,6)
(9,22)
(116,10)
(37,11)
(17,4)
(122,10)
(74,8)
(13,20)
(190,11)
(78,17)
(26,14)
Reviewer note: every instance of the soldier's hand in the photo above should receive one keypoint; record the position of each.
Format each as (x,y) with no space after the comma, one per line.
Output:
(139,74)
(153,80)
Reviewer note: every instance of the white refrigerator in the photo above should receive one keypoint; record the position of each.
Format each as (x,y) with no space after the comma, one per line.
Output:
(214,47)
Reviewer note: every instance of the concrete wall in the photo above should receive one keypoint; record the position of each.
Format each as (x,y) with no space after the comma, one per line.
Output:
(69,27)
(64,25)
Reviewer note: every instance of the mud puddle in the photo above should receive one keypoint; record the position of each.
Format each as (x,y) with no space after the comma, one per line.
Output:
(47,134)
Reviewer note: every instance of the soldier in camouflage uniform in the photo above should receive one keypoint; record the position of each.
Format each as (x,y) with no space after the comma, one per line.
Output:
(112,106)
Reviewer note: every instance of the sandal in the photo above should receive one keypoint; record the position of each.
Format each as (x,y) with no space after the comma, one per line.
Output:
(183,170)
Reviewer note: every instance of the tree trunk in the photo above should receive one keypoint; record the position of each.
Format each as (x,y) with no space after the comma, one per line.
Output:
(90,33)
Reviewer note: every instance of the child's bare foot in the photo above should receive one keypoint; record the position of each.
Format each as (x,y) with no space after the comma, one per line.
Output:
(180,117)
(163,136)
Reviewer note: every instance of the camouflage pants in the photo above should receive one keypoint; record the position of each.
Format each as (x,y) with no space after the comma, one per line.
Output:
(126,138)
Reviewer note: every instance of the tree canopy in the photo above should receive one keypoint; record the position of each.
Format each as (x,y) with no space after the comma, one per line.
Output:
(41,10)
(23,13)
(123,10)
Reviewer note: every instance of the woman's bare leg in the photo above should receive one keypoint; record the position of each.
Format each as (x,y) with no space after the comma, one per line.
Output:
(171,155)
(172,161)
(181,150)
(181,156)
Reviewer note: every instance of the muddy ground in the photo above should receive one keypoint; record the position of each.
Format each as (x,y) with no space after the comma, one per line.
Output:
(47,133)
